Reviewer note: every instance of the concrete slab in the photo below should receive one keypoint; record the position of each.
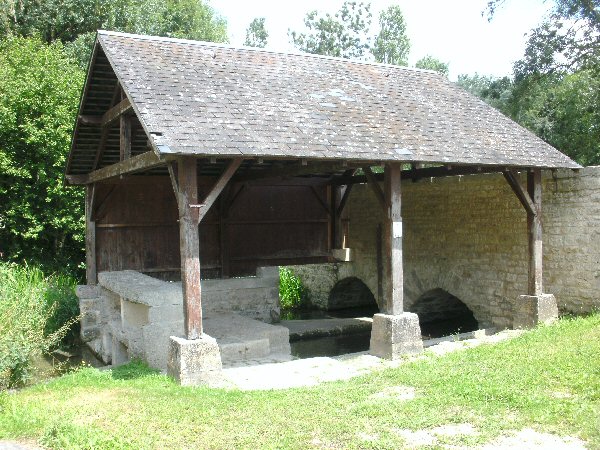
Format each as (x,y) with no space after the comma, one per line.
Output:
(303,329)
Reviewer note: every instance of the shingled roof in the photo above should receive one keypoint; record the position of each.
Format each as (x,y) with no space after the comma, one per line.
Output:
(205,99)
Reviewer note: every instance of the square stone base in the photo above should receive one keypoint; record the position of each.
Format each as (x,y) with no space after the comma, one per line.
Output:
(194,362)
(395,335)
(531,310)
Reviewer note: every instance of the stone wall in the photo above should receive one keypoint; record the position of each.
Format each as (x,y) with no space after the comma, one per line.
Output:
(468,236)
(131,315)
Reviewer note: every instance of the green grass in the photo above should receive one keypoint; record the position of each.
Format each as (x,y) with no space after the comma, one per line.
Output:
(547,379)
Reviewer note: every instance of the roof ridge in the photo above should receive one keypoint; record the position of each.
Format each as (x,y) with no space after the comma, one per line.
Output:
(263,50)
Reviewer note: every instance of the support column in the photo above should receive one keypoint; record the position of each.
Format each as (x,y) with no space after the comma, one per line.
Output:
(90,236)
(536,307)
(189,247)
(394,332)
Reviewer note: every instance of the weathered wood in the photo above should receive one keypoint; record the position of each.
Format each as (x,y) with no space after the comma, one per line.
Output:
(392,238)
(83,119)
(512,177)
(172,168)
(125,138)
(344,200)
(76,180)
(534,228)
(296,169)
(225,202)
(322,202)
(105,130)
(379,257)
(137,163)
(374,184)
(102,208)
(419,173)
(115,112)
(189,247)
(90,236)
(218,187)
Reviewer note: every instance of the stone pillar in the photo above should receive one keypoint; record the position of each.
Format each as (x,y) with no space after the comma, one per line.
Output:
(530,310)
(194,362)
(394,332)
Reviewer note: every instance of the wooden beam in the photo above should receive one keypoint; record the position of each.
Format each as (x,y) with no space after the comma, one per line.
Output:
(115,112)
(99,212)
(426,172)
(172,168)
(125,138)
(218,187)
(105,130)
(344,200)
(295,169)
(374,184)
(322,202)
(534,229)
(90,236)
(336,222)
(189,247)
(136,163)
(89,120)
(224,203)
(512,177)
(393,298)
(76,179)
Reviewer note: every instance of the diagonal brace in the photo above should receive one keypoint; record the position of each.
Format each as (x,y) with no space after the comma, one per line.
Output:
(512,177)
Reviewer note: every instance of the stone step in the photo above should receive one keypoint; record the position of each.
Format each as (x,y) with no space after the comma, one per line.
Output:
(241,338)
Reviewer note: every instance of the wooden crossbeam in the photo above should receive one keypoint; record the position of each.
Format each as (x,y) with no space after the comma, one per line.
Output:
(136,163)
(374,184)
(322,202)
(512,177)
(217,188)
(104,132)
(115,112)
(296,169)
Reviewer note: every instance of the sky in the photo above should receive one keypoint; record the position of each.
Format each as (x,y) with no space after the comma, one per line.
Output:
(453,31)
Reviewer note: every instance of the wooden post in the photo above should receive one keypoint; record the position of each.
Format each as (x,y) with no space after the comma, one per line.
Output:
(392,240)
(534,230)
(189,246)
(90,236)
(224,242)
(125,138)
(336,220)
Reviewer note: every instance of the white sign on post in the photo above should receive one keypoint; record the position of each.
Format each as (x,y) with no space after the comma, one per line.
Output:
(397,229)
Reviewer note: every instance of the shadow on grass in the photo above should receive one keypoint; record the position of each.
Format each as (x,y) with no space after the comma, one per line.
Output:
(134,370)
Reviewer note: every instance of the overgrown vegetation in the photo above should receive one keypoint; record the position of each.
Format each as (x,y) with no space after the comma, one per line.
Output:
(37,314)
(292,294)
(547,379)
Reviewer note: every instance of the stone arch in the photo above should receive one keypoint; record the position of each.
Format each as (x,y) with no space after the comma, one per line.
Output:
(350,292)
(424,277)
(441,313)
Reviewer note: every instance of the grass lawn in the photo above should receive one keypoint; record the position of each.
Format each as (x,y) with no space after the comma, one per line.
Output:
(547,379)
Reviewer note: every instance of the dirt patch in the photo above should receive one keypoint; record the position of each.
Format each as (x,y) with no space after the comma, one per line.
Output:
(532,439)
(395,392)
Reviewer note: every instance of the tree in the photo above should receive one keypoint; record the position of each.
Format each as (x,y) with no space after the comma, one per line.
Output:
(74,22)
(342,35)
(497,92)
(256,33)
(431,63)
(567,41)
(392,45)
(41,220)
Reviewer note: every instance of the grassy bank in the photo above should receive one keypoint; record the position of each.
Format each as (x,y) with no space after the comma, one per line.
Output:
(37,314)
(547,379)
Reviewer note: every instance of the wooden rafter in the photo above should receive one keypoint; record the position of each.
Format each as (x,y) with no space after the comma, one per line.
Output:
(217,188)
(374,184)
(512,177)
(296,169)
(136,163)
(105,130)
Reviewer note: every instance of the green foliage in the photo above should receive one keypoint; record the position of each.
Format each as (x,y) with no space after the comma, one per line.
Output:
(74,22)
(40,219)
(36,314)
(431,63)
(292,293)
(495,91)
(392,45)
(256,34)
(342,35)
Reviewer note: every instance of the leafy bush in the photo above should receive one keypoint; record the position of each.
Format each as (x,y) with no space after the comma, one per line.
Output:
(292,294)
(36,314)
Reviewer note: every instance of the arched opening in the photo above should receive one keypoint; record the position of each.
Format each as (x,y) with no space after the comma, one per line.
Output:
(353,295)
(441,314)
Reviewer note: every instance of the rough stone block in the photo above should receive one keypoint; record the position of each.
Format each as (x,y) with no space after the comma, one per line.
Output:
(87,291)
(395,335)
(194,362)
(530,310)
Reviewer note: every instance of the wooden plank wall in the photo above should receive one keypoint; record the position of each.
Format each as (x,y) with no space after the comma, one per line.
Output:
(136,228)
